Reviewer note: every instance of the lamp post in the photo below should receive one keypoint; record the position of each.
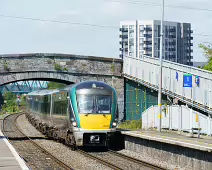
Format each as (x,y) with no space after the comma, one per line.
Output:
(160,71)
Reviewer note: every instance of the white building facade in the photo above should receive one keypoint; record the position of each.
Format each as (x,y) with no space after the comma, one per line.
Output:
(139,38)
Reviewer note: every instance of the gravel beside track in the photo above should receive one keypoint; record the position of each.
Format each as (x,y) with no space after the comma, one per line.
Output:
(59,150)
(121,162)
(150,160)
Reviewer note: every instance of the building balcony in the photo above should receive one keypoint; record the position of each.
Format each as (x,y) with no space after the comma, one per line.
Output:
(191,38)
(171,56)
(172,43)
(123,43)
(172,36)
(123,36)
(148,48)
(189,51)
(123,29)
(147,28)
(172,33)
(171,49)
(147,42)
(147,35)
(172,30)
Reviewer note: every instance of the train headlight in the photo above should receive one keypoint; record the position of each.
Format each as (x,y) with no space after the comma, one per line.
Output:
(74,124)
(114,124)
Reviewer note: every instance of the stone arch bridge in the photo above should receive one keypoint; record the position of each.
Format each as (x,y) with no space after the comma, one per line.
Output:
(62,68)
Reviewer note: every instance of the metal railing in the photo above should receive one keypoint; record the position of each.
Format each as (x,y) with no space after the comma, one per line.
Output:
(145,71)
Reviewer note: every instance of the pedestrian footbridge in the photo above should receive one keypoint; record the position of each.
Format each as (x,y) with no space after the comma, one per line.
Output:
(188,84)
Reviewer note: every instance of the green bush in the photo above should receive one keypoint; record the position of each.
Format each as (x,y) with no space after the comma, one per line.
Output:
(10,105)
(58,67)
(23,100)
(9,96)
(113,67)
(65,69)
(6,67)
(10,108)
(131,124)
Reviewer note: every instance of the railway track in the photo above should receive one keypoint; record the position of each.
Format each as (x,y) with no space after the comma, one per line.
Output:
(142,163)
(119,161)
(99,160)
(35,156)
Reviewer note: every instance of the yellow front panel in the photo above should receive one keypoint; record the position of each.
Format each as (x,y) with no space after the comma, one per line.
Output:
(95,121)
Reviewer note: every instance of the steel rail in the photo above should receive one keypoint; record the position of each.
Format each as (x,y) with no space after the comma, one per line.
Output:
(99,160)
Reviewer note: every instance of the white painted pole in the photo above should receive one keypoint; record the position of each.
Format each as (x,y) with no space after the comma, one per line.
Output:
(160,72)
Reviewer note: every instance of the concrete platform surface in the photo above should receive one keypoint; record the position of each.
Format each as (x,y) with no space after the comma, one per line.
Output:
(173,138)
(9,158)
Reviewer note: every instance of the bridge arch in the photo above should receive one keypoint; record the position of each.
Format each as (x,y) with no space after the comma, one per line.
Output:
(63,68)
(64,78)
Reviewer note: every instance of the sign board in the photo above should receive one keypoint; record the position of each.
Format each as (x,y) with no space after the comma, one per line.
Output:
(187,80)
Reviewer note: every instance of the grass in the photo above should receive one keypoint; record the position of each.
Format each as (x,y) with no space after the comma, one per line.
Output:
(131,124)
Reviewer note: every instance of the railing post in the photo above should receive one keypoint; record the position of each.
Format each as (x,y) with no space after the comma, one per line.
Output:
(191,120)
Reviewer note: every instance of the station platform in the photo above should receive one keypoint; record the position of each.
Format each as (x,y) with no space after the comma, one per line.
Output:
(9,158)
(202,143)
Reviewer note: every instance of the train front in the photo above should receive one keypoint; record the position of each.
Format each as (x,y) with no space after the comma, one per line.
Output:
(94,105)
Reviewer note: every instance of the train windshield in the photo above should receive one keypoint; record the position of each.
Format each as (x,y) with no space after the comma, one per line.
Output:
(96,104)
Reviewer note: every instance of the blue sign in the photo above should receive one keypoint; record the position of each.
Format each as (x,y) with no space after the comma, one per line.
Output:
(187,80)
(177,76)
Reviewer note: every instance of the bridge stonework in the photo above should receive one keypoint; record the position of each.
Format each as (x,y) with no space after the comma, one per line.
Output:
(62,68)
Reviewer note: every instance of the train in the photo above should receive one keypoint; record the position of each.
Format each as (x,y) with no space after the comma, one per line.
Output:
(81,114)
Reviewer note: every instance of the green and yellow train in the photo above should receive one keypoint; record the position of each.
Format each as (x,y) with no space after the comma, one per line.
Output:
(82,114)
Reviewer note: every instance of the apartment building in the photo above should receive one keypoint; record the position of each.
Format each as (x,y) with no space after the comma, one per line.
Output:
(138,38)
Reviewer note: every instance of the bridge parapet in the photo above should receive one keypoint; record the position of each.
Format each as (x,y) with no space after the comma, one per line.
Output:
(60,63)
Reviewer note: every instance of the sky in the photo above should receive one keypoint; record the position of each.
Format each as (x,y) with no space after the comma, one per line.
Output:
(33,36)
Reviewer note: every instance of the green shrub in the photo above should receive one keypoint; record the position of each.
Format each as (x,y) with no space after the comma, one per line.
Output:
(65,69)
(6,67)
(58,67)
(10,108)
(9,96)
(23,100)
(10,105)
(113,67)
(131,124)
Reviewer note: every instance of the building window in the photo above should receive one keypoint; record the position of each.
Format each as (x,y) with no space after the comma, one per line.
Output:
(131,47)
(131,53)
(141,34)
(141,40)
(131,34)
(141,27)
(141,47)
(131,41)
(131,27)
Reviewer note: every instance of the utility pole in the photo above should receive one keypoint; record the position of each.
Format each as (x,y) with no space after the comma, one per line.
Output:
(160,72)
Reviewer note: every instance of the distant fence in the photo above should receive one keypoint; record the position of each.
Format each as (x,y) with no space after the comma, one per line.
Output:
(179,118)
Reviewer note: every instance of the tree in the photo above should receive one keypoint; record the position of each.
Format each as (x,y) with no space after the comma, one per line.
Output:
(9,96)
(208,54)
(54,85)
